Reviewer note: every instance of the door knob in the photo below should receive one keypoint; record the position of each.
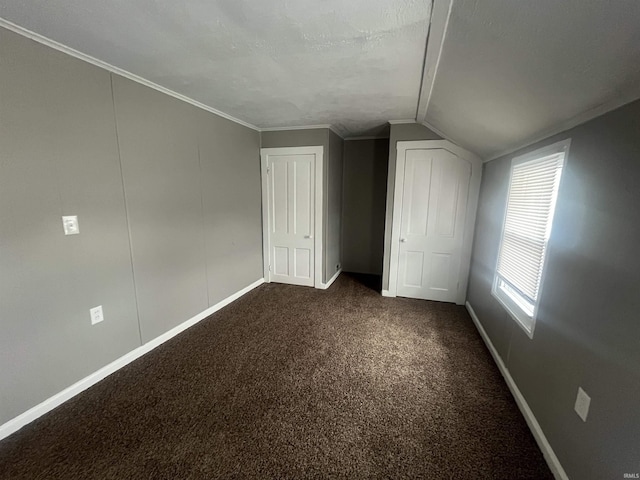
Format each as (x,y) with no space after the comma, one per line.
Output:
(403,240)
(308,236)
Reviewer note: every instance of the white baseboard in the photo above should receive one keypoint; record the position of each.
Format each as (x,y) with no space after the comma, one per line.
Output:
(59,398)
(534,426)
(324,286)
(386,293)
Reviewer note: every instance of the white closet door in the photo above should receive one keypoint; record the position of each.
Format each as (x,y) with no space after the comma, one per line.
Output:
(291,181)
(434,208)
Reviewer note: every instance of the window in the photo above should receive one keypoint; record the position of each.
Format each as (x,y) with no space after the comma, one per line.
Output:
(533,189)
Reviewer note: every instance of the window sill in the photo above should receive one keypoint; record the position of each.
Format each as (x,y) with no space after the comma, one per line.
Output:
(524,321)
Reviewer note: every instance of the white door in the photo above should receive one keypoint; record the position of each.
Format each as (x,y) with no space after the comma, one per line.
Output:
(433,234)
(291,217)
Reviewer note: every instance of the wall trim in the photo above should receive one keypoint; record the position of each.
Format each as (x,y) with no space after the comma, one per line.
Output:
(629,96)
(324,286)
(387,293)
(436,130)
(59,398)
(548,453)
(401,122)
(366,138)
(335,130)
(303,127)
(296,127)
(118,71)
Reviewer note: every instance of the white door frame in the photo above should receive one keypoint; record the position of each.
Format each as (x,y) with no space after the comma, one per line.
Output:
(318,233)
(472,205)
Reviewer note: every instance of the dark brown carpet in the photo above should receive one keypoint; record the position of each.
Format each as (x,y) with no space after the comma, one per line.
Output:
(292,382)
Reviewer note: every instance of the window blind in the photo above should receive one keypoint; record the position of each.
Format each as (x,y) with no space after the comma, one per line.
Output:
(532,194)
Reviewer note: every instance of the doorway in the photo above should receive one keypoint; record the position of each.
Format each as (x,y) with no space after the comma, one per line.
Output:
(292,214)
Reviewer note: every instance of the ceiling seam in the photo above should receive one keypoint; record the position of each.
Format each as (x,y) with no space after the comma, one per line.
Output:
(424,63)
(438,14)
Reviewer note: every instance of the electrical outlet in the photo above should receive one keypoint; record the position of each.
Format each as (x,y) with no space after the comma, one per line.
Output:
(96,315)
(582,404)
(70,225)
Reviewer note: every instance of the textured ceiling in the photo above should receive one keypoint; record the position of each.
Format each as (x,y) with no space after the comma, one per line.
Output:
(355,64)
(511,70)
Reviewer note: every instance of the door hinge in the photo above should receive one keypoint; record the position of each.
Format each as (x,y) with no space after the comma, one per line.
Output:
(268,170)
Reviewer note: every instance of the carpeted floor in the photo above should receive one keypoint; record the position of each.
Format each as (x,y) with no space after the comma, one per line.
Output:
(291,382)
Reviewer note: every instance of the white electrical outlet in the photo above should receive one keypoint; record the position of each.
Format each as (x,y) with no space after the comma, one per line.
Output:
(70,224)
(582,404)
(96,315)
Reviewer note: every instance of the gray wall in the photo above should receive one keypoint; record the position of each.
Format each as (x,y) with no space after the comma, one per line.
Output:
(182,184)
(398,133)
(296,138)
(332,191)
(333,232)
(363,212)
(587,332)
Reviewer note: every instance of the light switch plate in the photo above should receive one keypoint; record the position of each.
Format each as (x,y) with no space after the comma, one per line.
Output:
(582,404)
(70,224)
(96,315)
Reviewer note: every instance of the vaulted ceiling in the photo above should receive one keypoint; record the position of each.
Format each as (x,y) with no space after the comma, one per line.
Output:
(513,71)
(495,74)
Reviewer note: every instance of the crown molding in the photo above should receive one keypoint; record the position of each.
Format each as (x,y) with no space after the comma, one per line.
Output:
(303,127)
(298,127)
(366,138)
(401,122)
(448,137)
(426,124)
(335,130)
(629,96)
(435,130)
(118,71)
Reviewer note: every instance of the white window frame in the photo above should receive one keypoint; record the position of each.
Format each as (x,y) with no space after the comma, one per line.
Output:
(527,319)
